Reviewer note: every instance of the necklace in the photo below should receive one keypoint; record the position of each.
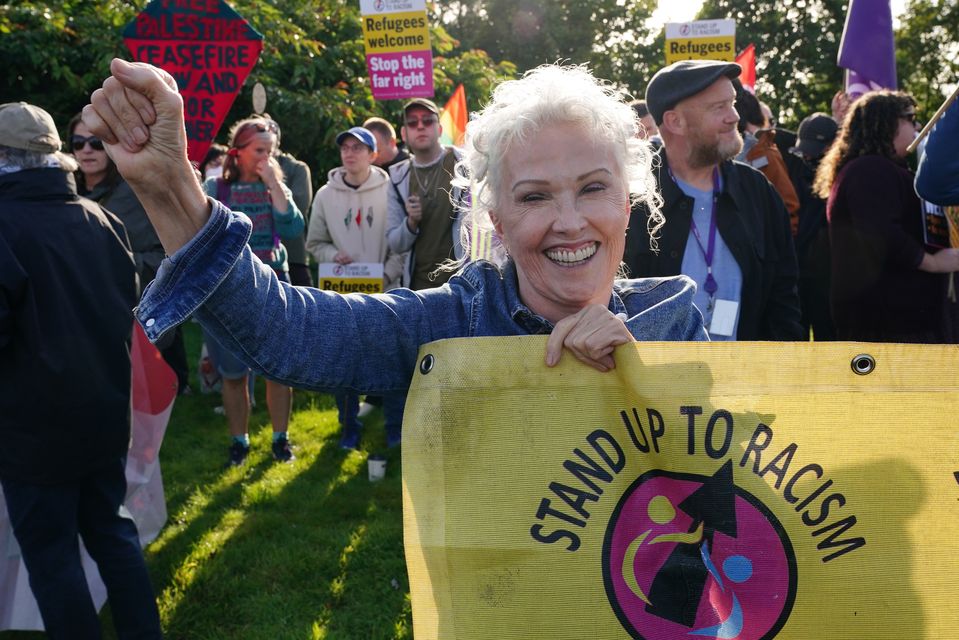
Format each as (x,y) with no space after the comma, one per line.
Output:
(426,190)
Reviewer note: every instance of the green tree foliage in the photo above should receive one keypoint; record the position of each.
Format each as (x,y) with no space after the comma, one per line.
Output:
(602,33)
(927,51)
(797,43)
(313,65)
(56,52)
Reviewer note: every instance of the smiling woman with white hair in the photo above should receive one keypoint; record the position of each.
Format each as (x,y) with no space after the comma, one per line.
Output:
(552,164)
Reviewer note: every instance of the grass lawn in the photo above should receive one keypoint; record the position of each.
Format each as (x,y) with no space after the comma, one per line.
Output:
(309,549)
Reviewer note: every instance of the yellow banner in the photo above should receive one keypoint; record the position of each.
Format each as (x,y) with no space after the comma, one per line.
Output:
(396,32)
(721,48)
(727,490)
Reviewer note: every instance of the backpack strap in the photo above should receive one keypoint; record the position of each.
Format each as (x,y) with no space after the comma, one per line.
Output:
(223,191)
(396,187)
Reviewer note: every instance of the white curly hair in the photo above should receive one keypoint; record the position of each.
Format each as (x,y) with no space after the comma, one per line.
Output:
(518,109)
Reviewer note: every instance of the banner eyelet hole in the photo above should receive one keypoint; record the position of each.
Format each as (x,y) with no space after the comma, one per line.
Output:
(863,364)
(426,364)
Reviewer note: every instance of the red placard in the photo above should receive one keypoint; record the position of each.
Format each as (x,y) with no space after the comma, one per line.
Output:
(208,48)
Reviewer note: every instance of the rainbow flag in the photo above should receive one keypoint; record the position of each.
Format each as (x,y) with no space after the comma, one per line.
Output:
(454,118)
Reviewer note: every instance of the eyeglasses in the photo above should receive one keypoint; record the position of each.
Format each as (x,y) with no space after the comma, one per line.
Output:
(426,121)
(355,147)
(78,142)
(911,117)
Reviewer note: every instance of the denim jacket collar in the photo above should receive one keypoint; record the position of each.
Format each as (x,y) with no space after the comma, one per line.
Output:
(530,321)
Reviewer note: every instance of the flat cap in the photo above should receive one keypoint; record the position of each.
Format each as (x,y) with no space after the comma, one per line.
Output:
(683,79)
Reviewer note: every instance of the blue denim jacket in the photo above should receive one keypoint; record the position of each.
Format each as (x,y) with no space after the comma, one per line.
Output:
(326,341)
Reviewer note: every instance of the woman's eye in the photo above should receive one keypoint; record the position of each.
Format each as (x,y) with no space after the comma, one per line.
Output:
(532,197)
(594,187)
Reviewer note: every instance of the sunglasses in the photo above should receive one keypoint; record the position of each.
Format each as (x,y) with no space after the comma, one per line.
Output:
(911,117)
(78,142)
(426,121)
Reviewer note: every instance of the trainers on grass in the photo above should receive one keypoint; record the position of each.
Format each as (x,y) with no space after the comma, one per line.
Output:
(238,454)
(282,451)
(350,439)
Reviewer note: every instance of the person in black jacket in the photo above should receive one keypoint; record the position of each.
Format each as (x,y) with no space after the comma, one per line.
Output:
(68,284)
(97,179)
(816,134)
(726,227)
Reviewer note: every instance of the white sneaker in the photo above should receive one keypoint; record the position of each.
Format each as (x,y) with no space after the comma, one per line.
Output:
(365,409)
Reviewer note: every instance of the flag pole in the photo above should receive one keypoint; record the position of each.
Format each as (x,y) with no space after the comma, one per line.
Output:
(932,122)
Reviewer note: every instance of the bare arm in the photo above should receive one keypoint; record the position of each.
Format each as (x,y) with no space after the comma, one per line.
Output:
(138,114)
(944,261)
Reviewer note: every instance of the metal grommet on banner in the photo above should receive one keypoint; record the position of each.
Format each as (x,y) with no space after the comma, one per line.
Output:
(426,364)
(863,364)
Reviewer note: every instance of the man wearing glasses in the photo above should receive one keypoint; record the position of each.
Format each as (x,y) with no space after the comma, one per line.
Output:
(423,207)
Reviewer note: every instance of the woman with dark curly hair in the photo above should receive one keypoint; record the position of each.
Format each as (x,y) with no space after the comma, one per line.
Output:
(887,286)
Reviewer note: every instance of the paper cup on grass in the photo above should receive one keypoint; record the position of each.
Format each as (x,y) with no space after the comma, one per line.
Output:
(377,467)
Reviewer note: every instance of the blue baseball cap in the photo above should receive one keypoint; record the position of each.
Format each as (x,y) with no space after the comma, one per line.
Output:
(360,133)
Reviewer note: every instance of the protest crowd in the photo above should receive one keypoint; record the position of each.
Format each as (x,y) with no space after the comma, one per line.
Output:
(814,235)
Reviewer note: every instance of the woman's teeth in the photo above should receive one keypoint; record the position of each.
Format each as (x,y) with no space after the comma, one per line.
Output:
(568,257)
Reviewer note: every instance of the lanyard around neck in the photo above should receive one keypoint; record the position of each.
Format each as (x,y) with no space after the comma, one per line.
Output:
(709,251)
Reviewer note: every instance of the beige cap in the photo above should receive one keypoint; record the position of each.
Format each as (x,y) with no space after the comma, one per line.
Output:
(24,126)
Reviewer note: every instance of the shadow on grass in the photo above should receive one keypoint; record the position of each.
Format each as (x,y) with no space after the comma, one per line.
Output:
(311,549)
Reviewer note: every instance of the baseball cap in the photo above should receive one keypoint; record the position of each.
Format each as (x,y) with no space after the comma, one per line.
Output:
(816,133)
(363,135)
(429,105)
(24,126)
(30,128)
(680,80)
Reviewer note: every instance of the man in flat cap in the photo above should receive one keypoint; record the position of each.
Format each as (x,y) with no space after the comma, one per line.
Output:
(726,227)
(422,217)
(68,284)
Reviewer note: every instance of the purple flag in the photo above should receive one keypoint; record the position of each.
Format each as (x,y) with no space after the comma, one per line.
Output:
(867,51)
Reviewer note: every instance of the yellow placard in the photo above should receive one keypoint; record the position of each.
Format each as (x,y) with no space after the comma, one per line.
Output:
(396,32)
(351,285)
(726,490)
(719,48)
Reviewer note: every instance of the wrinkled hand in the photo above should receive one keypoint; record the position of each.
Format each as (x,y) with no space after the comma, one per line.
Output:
(591,335)
(342,257)
(138,113)
(414,212)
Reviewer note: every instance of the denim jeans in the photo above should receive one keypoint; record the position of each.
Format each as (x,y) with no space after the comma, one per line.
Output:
(46,520)
(347,407)
(393,406)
